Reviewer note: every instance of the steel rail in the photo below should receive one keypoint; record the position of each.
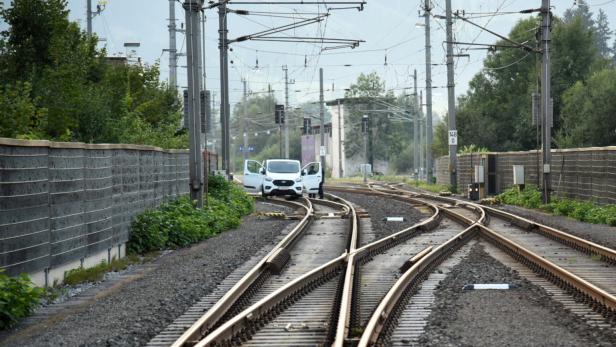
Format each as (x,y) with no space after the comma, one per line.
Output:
(598,299)
(346,296)
(589,247)
(213,315)
(241,326)
(238,327)
(413,277)
(346,306)
(586,246)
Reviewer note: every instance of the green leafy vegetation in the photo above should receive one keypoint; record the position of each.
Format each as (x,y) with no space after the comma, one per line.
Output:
(585,211)
(179,224)
(434,188)
(529,197)
(18,298)
(96,273)
(55,84)
(472,148)
(495,112)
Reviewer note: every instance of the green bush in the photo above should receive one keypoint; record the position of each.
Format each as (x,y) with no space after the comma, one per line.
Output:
(585,211)
(530,197)
(18,298)
(179,224)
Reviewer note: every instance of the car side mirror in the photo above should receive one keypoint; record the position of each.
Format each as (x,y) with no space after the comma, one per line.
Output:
(304,172)
(262,171)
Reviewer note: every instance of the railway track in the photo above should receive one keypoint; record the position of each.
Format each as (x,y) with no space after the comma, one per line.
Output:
(301,250)
(335,292)
(581,268)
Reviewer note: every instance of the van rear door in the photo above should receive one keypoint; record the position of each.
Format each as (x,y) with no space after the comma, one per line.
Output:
(312,177)
(253,179)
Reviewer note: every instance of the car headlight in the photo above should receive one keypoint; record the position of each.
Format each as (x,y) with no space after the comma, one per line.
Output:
(268,179)
(299,179)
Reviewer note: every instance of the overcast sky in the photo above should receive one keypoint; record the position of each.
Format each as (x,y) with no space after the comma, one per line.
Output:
(389,28)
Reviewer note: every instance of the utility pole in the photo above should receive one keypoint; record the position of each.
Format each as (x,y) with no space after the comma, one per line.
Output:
(89,16)
(415,125)
(427,10)
(244,132)
(453,133)
(193,13)
(322,127)
(422,137)
(365,126)
(546,99)
(204,73)
(224,85)
(173,60)
(286,107)
(340,169)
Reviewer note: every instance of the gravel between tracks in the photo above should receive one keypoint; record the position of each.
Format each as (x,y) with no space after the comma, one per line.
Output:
(136,312)
(599,233)
(524,316)
(382,207)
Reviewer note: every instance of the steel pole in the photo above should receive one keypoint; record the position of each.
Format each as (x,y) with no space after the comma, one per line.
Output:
(428,148)
(286,116)
(546,109)
(322,118)
(173,63)
(224,85)
(89,17)
(451,120)
(244,132)
(193,12)
(415,125)
(340,170)
(422,137)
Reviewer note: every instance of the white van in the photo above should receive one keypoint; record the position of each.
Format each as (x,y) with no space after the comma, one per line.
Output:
(281,177)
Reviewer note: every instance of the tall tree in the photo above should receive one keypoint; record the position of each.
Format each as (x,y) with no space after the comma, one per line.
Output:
(48,61)
(603,35)
(588,112)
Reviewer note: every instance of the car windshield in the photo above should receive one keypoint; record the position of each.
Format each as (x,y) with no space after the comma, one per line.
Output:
(283,167)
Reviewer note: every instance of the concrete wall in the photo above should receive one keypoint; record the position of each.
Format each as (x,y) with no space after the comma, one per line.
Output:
(66,204)
(580,173)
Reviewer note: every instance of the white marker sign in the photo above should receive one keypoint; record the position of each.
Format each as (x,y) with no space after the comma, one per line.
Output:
(323,150)
(453,137)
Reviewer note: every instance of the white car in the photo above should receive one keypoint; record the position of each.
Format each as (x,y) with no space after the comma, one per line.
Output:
(281,177)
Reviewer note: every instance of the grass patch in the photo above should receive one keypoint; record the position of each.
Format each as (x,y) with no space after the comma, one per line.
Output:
(585,211)
(96,273)
(434,188)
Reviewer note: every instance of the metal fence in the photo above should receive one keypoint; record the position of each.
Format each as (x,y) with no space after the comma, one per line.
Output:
(579,173)
(61,202)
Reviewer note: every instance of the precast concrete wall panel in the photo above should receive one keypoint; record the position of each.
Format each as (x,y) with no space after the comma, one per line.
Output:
(579,173)
(64,202)
(24,214)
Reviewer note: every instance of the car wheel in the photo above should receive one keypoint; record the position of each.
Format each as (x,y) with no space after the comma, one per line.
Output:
(263,193)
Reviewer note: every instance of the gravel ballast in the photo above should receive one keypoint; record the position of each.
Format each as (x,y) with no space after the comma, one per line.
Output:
(133,313)
(523,316)
(381,207)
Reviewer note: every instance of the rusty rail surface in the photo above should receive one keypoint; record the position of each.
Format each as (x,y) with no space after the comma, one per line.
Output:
(212,316)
